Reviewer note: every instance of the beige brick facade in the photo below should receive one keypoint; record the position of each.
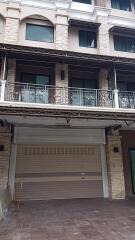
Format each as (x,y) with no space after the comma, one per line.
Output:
(11,31)
(61,85)
(103,79)
(115,167)
(103,36)
(5,141)
(12,24)
(62,30)
(11,70)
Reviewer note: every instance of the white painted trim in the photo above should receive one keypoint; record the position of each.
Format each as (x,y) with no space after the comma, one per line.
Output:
(12,170)
(104,172)
(65,107)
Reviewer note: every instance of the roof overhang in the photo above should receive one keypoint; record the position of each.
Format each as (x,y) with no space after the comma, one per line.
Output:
(123,30)
(22,109)
(60,56)
(84,24)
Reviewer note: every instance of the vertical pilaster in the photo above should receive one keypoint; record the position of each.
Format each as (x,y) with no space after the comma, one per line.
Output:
(102,14)
(61,30)
(11,76)
(101,3)
(12,23)
(103,84)
(115,167)
(103,78)
(5,145)
(61,84)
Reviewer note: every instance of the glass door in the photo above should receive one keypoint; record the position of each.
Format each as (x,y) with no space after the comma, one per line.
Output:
(83,93)
(35,88)
(132,160)
(126,94)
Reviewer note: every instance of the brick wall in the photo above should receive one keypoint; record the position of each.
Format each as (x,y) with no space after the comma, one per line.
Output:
(101,3)
(104,40)
(115,167)
(61,94)
(61,30)
(12,23)
(11,70)
(11,31)
(5,140)
(128,142)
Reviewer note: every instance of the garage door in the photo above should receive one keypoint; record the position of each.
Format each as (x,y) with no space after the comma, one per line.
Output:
(58,172)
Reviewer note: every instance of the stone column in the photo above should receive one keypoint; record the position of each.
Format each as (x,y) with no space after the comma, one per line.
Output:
(115,167)
(61,84)
(104,40)
(103,78)
(101,3)
(104,97)
(11,77)
(5,146)
(61,30)
(12,23)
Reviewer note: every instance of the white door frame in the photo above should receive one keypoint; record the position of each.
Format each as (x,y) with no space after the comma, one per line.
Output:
(104,172)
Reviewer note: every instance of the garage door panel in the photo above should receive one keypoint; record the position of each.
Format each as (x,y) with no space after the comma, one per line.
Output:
(57,159)
(45,190)
(58,171)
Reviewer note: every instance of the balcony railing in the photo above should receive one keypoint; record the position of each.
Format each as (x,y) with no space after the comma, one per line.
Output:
(31,93)
(126,99)
(41,94)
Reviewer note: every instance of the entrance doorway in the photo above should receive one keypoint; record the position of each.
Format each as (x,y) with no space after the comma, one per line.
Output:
(132,160)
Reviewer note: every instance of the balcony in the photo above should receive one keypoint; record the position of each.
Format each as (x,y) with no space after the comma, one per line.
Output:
(83,97)
(39,94)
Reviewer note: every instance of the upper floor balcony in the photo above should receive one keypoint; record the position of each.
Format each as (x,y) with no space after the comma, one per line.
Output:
(37,78)
(51,95)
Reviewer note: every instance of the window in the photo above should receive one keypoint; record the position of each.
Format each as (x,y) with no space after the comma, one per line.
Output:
(83,93)
(126,86)
(121,4)
(33,88)
(124,44)
(83,1)
(35,79)
(39,33)
(87,39)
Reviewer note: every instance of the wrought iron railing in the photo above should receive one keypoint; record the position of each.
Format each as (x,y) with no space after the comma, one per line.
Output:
(34,93)
(126,99)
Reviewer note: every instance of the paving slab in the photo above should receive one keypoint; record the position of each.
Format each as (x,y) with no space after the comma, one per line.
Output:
(78,219)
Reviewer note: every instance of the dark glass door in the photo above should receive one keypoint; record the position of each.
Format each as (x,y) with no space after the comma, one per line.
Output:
(132,159)
(83,92)
(126,94)
(35,88)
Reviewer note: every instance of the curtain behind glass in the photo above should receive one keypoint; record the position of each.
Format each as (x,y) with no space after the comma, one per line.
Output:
(121,4)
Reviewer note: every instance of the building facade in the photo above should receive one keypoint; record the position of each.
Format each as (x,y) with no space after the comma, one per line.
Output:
(67,100)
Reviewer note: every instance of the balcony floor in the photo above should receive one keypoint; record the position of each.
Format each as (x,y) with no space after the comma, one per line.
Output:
(71,219)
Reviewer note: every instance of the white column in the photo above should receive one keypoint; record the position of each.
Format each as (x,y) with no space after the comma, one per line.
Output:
(116,98)
(104,172)
(2,90)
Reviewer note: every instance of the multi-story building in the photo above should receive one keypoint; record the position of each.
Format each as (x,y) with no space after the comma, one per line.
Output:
(67,99)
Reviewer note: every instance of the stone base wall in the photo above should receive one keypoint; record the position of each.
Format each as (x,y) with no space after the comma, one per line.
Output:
(115,167)
(5,149)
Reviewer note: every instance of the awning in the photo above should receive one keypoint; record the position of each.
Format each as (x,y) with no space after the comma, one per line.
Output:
(123,29)
(60,56)
(84,24)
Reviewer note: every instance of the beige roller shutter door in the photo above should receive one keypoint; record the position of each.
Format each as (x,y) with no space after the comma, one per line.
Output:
(58,172)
